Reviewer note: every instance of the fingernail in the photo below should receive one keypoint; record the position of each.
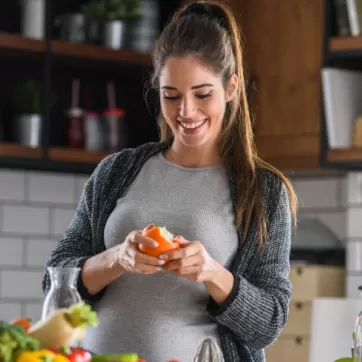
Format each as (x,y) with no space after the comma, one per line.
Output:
(155,244)
(163,257)
(161,262)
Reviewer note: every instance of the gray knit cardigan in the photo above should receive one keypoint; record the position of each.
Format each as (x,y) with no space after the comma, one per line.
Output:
(257,309)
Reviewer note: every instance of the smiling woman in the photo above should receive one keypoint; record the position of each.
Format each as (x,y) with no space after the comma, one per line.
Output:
(232,213)
(193,101)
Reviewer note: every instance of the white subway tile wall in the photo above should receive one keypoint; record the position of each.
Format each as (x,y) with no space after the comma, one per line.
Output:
(353,198)
(12,185)
(321,198)
(35,209)
(57,189)
(319,192)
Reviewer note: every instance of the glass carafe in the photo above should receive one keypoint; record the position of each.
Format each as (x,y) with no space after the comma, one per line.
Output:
(357,347)
(63,290)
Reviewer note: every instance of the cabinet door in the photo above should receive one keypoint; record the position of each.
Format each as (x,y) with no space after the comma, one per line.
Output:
(283,43)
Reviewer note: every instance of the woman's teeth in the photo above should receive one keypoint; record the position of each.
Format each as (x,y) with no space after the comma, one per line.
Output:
(191,125)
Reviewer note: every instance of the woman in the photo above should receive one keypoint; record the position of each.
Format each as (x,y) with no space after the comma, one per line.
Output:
(204,182)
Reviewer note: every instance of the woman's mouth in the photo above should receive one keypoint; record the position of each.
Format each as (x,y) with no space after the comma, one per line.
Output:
(192,126)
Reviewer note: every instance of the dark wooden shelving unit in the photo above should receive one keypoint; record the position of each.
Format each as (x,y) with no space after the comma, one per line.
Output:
(341,52)
(55,63)
(345,44)
(19,151)
(19,44)
(345,155)
(98,52)
(76,155)
(59,158)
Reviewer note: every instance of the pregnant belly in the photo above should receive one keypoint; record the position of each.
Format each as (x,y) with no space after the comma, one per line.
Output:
(160,323)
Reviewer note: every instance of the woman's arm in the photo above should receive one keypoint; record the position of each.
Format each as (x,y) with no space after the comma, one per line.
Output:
(75,249)
(257,309)
(100,270)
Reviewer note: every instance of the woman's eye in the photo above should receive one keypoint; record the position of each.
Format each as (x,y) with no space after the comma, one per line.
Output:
(171,95)
(203,96)
(172,98)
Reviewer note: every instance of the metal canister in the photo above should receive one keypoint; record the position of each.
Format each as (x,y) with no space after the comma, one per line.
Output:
(93,132)
(116,131)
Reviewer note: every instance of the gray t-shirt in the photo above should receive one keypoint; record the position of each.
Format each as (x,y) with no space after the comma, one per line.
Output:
(163,316)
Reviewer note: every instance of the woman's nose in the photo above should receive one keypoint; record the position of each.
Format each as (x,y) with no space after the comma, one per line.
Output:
(187,108)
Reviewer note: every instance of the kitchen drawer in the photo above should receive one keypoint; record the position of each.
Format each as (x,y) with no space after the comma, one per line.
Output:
(299,321)
(288,350)
(309,282)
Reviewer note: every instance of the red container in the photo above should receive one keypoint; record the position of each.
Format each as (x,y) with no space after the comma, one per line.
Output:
(76,128)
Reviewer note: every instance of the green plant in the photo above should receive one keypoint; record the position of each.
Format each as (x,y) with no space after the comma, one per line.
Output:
(133,9)
(94,10)
(126,10)
(27,97)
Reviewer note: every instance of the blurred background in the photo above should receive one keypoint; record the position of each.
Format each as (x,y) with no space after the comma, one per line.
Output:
(74,89)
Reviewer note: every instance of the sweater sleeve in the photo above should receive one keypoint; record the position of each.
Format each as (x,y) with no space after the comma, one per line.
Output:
(76,246)
(257,308)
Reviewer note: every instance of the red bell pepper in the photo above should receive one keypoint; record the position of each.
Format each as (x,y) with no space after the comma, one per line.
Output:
(75,354)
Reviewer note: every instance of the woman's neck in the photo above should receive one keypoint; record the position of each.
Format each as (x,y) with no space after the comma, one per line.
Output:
(193,157)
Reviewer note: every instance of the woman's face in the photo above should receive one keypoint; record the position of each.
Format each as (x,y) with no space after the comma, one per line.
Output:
(193,101)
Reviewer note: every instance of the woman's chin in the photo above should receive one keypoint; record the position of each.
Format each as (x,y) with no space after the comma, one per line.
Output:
(193,142)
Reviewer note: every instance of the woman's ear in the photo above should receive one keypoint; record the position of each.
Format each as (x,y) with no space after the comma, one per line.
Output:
(232,88)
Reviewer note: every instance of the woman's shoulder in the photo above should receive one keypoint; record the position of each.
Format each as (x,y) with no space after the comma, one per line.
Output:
(127,159)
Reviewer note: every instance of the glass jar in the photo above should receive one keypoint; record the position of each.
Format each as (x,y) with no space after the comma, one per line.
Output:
(63,289)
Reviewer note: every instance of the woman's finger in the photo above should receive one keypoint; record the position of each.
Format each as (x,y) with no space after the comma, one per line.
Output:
(182,263)
(191,269)
(189,250)
(181,240)
(148,260)
(146,269)
(148,227)
(140,239)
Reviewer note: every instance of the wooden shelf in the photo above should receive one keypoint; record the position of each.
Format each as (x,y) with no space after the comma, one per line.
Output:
(19,151)
(346,44)
(100,53)
(76,155)
(16,43)
(345,155)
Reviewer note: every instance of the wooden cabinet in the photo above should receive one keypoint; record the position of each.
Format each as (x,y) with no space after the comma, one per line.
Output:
(283,44)
(308,283)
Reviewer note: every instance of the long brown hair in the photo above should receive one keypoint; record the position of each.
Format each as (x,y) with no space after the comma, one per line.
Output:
(209,31)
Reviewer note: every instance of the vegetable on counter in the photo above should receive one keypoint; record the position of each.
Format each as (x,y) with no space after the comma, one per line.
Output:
(13,340)
(125,357)
(42,355)
(22,322)
(74,354)
(64,326)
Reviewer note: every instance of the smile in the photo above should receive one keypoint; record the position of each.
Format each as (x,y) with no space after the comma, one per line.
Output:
(192,125)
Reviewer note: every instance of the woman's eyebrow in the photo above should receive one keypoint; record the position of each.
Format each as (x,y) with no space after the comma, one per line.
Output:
(193,87)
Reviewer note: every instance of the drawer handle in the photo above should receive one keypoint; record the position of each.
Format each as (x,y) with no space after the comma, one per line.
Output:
(298,340)
(299,271)
(299,305)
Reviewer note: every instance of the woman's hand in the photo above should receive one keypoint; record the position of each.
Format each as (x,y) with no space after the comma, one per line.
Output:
(191,261)
(132,260)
